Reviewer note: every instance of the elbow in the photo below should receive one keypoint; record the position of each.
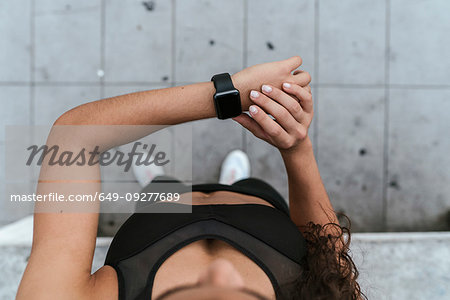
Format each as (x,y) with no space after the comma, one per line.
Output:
(73,116)
(63,120)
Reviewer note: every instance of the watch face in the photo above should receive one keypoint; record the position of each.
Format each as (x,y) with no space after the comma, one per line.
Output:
(228,104)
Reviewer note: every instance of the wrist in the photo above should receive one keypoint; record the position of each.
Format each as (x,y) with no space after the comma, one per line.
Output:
(241,84)
(305,147)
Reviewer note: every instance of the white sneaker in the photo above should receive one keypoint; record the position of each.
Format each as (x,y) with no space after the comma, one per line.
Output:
(236,166)
(145,174)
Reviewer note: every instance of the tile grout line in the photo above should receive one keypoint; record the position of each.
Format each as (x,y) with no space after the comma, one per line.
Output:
(316,77)
(82,83)
(102,47)
(32,63)
(351,85)
(173,37)
(172,152)
(244,64)
(19,83)
(245,36)
(32,90)
(157,83)
(385,174)
(173,80)
(419,86)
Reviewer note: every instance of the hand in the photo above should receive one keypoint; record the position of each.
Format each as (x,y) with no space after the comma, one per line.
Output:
(292,109)
(273,73)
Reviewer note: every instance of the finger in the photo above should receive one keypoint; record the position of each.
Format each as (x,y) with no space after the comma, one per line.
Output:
(308,88)
(292,106)
(270,127)
(302,94)
(251,125)
(293,62)
(301,78)
(277,110)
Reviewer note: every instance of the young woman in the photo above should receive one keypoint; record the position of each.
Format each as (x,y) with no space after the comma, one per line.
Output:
(239,242)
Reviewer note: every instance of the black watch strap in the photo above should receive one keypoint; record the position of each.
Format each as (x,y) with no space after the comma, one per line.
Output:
(223,82)
(227,100)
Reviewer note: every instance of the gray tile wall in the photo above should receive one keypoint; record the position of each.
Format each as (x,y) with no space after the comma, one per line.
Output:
(380,80)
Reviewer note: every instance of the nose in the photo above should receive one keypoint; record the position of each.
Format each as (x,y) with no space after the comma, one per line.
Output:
(222,273)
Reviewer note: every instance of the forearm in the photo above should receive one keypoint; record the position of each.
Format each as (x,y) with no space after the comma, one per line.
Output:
(308,199)
(184,103)
(181,104)
(169,106)
(163,107)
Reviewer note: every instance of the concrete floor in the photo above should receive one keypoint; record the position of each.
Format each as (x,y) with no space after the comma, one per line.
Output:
(380,72)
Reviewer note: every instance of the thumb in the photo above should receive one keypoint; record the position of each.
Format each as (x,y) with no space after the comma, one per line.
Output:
(294,62)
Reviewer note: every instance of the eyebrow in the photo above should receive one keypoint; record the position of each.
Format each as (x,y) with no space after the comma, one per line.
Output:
(193,286)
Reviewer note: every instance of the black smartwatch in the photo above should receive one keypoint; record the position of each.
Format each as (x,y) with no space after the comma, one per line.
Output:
(227,99)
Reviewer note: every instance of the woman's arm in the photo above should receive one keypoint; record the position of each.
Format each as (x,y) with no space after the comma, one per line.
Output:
(328,263)
(180,104)
(308,199)
(63,242)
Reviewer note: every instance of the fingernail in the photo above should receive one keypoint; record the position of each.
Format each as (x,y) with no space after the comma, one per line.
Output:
(254,94)
(287,85)
(253,110)
(266,88)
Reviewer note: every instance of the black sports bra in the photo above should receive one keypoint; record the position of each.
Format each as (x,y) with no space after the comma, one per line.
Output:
(264,234)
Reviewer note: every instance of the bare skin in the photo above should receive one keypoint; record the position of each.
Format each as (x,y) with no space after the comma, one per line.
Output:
(196,257)
(63,243)
(186,265)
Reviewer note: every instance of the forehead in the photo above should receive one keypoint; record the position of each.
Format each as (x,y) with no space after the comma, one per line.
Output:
(206,293)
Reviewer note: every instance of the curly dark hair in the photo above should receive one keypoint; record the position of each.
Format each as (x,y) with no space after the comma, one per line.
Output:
(328,270)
